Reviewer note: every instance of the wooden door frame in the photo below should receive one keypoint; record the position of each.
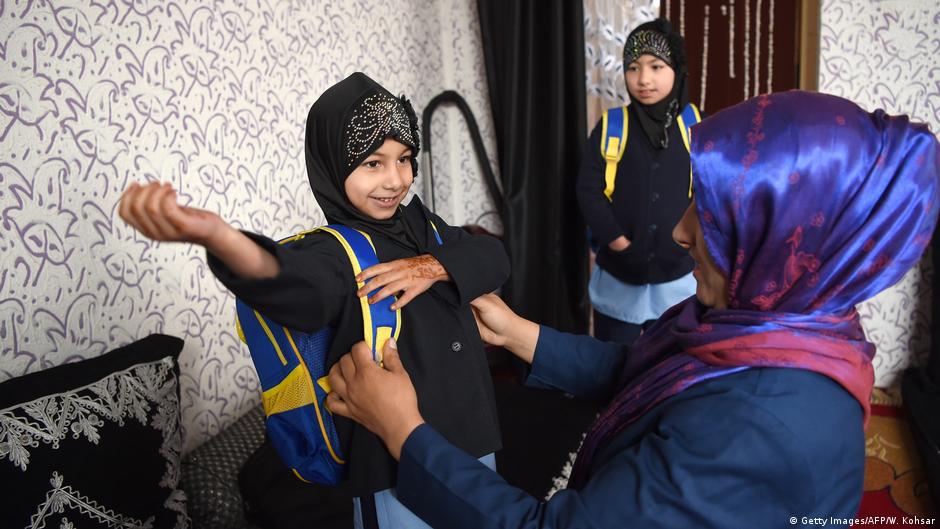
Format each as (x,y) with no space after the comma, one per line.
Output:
(808,39)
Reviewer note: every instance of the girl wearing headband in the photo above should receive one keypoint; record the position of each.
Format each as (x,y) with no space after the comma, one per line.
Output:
(640,271)
(361,148)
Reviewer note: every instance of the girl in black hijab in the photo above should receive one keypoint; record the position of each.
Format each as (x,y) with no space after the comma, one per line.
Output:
(360,148)
(631,206)
(346,125)
(657,40)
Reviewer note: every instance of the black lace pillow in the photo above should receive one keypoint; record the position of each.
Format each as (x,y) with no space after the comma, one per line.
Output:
(95,443)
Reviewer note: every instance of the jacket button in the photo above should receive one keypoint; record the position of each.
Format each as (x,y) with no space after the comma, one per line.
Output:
(652,256)
(654,166)
(654,197)
(653,227)
(456,347)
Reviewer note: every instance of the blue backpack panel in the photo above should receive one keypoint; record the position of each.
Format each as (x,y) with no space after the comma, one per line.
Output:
(292,369)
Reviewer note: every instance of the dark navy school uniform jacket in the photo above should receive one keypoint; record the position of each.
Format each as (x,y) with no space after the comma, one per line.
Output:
(439,342)
(650,196)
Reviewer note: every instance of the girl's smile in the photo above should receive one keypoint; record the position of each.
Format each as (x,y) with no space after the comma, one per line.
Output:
(389,201)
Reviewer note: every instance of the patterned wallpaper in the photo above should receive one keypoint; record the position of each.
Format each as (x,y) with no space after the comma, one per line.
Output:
(460,192)
(606,26)
(883,54)
(211,96)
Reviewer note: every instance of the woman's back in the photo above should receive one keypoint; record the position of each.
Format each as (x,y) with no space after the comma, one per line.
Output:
(794,435)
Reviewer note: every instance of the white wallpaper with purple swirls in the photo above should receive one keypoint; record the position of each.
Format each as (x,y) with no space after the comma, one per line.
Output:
(883,54)
(211,96)
(607,23)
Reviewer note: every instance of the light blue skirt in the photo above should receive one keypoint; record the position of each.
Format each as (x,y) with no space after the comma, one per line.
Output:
(391,514)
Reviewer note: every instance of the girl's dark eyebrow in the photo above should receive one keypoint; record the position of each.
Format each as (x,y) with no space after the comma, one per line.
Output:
(406,152)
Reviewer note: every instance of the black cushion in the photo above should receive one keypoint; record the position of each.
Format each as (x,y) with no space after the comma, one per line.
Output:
(95,443)
(210,474)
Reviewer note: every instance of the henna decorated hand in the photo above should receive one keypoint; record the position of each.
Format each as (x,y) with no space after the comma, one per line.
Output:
(407,277)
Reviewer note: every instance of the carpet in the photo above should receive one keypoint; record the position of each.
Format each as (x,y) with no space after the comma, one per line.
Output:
(895,481)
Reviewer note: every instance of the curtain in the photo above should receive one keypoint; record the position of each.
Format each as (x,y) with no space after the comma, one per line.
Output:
(933,363)
(737,49)
(534,54)
(920,390)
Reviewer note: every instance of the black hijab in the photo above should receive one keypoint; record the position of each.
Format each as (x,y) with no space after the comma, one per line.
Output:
(344,126)
(658,38)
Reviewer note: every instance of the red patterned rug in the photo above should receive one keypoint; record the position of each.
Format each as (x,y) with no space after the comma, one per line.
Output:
(896,493)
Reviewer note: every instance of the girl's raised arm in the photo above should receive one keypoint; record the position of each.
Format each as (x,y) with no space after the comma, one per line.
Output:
(152,210)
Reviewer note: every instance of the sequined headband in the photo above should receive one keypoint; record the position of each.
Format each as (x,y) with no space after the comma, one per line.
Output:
(376,117)
(646,42)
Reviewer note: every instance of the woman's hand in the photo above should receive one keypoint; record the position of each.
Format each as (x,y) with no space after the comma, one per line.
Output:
(619,244)
(410,276)
(500,326)
(152,210)
(382,400)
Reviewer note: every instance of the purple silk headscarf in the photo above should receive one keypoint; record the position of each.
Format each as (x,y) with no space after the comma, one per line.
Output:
(809,205)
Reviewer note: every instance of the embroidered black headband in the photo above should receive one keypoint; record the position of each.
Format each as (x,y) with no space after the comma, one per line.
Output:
(647,42)
(375,118)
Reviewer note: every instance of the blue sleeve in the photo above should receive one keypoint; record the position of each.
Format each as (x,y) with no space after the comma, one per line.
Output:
(736,466)
(577,364)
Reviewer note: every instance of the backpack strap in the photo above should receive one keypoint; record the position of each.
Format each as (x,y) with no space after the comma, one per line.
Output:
(379,321)
(613,142)
(690,116)
(437,234)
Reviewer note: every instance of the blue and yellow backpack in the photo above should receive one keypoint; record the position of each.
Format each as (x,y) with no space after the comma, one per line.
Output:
(615,126)
(292,370)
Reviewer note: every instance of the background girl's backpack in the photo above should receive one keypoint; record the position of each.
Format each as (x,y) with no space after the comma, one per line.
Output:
(291,367)
(615,124)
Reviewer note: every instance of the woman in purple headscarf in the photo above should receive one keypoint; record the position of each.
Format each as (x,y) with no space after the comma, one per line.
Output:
(743,406)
